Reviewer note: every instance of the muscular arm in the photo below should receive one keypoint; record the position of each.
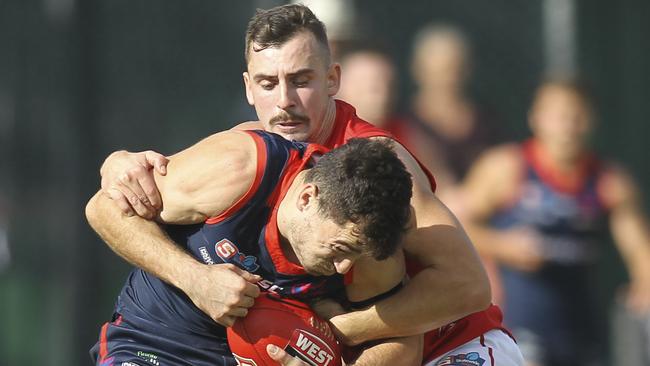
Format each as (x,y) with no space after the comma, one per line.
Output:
(452,284)
(631,233)
(373,278)
(190,194)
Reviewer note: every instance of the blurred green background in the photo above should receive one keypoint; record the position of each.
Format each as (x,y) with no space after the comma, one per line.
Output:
(79,79)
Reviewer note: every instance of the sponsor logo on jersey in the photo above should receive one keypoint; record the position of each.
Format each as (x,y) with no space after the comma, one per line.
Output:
(205,255)
(149,357)
(270,286)
(243,361)
(309,348)
(129,364)
(462,359)
(228,252)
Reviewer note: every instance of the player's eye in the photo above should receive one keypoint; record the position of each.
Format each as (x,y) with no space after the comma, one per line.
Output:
(267,85)
(301,82)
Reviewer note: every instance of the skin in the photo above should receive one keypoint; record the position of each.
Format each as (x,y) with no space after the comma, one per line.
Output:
(561,122)
(450,264)
(315,242)
(368,84)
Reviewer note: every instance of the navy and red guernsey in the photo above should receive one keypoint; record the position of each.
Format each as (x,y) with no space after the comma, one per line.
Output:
(156,323)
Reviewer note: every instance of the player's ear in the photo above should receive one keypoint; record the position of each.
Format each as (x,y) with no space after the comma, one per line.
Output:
(249,91)
(333,79)
(307,197)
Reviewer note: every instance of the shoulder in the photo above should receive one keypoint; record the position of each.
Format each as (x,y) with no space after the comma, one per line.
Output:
(208,177)
(234,147)
(615,184)
(495,176)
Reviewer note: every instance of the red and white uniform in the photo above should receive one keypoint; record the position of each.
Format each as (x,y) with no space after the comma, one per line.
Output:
(482,332)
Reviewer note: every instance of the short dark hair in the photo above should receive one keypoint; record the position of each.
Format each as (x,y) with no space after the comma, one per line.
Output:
(275,26)
(573,84)
(365,183)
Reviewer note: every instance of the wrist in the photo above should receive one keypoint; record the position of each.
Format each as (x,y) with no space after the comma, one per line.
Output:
(347,330)
(186,274)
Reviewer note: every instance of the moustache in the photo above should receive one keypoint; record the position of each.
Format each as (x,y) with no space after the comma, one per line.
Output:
(287,116)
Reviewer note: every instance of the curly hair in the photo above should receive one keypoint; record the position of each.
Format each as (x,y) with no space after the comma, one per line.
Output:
(274,27)
(365,183)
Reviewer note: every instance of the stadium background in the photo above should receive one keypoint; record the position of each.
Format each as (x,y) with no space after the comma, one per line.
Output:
(79,79)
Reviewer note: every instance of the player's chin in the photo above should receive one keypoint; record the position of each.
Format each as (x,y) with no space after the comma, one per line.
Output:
(302,136)
(321,271)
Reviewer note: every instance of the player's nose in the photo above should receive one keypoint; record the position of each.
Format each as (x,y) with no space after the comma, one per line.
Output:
(343,265)
(285,97)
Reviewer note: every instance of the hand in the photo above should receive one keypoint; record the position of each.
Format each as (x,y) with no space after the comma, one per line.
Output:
(128,180)
(638,297)
(282,357)
(521,248)
(223,291)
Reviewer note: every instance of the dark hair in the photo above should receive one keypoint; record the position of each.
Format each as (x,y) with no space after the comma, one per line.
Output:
(364,182)
(275,26)
(575,85)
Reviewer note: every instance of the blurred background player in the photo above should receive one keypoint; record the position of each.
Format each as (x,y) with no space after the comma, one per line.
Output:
(538,209)
(368,82)
(342,22)
(447,130)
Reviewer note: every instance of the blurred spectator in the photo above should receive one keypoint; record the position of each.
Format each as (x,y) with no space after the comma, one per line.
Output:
(368,81)
(539,209)
(341,22)
(447,130)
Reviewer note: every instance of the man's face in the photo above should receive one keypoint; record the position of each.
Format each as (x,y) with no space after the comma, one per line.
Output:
(324,248)
(290,86)
(561,120)
(367,84)
(320,245)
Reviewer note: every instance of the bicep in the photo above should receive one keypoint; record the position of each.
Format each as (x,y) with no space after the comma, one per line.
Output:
(206,179)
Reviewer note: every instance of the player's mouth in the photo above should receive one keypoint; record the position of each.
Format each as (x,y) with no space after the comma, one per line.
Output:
(290,126)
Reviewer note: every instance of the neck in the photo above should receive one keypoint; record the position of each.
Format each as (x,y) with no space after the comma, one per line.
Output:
(323,134)
(285,218)
(557,159)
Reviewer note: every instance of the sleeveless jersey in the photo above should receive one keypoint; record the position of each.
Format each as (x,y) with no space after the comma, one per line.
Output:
(556,299)
(246,235)
(439,341)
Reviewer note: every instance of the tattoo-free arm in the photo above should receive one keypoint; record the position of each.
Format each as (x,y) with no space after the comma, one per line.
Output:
(452,284)
(200,182)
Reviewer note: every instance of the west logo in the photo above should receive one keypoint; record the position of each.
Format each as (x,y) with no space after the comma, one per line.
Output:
(310,348)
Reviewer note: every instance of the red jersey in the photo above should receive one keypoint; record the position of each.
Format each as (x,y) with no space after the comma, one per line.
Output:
(348,125)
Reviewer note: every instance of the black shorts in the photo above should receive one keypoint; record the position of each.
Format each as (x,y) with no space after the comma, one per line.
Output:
(132,341)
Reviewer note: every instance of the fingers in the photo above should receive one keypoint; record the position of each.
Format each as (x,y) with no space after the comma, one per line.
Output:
(148,191)
(283,358)
(121,201)
(157,161)
(253,278)
(132,190)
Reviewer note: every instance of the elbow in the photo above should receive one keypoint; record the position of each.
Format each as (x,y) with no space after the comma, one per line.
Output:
(92,210)
(478,295)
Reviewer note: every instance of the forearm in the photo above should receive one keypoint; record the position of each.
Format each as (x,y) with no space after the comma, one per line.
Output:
(398,351)
(430,300)
(141,242)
